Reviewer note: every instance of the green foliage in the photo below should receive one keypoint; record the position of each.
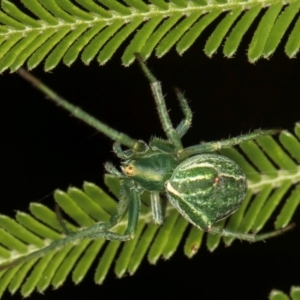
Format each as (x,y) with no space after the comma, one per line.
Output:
(278,159)
(279,295)
(62,30)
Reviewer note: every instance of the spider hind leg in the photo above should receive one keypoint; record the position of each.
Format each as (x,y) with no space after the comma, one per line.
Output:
(250,237)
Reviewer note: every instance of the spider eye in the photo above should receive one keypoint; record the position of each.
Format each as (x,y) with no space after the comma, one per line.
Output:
(129,170)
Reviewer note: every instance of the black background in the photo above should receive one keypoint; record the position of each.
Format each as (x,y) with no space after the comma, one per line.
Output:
(42,149)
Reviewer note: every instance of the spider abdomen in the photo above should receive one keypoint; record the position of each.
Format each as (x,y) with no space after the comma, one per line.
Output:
(207,188)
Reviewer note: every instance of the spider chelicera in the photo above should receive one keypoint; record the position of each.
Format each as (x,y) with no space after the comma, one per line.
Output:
(203,186)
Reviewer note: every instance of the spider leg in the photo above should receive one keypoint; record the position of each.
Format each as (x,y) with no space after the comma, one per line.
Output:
(129,203)
(164,117)
(113,170)
(156,208)
(120,152)
(77,112)
(185,124)
(140,147)
(215,146)
(250,237)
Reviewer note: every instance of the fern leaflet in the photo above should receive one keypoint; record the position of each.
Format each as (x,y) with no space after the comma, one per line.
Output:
(61,30)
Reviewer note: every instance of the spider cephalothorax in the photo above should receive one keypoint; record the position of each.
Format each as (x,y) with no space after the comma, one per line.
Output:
(151,167)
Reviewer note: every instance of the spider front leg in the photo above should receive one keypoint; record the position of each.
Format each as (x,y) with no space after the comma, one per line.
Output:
(174,135)
(164,117)
(140,147)
(129,203)
(185,124)
(215,146)
(77,112)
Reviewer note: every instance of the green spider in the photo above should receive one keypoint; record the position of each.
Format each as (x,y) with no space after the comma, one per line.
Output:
(203,186)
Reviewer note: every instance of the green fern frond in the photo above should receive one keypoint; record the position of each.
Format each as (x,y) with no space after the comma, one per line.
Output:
(278,159)
(61,30)
(279,295)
